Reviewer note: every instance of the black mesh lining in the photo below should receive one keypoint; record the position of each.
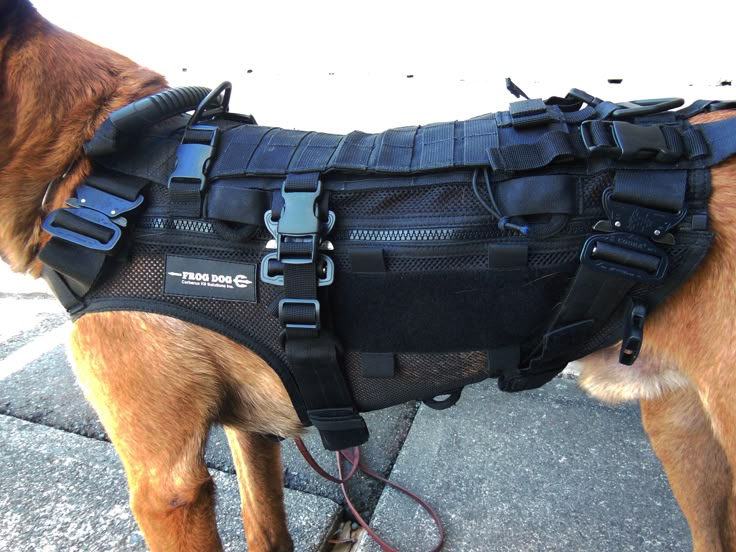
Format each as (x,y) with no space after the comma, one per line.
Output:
(445,200)
(143,278)
(417,376)
(593,189)
(435,233)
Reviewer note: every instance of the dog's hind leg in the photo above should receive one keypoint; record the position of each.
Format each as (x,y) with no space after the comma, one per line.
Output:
(258,463)
(156,392)
(697,467)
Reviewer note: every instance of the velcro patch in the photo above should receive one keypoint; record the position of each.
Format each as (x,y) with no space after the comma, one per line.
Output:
(194,277)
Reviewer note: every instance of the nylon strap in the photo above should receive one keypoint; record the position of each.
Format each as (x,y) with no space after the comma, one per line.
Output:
(721,137)
(229,202)
(311,350)
(591,299)
(71,267)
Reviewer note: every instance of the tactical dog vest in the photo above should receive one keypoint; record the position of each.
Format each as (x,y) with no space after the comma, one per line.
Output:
(373,269)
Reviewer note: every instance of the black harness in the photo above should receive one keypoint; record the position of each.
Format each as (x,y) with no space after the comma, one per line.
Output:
(372,269)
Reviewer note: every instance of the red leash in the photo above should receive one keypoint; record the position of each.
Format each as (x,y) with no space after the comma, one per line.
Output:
(354,458)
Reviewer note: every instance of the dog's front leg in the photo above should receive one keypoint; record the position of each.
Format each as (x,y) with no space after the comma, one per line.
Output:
(696,465)
(156,393)
(258,463)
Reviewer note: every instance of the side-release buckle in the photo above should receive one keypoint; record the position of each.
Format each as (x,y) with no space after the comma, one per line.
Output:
(626,141)
(298,228)
(625,255)
(633,334)
(193,157)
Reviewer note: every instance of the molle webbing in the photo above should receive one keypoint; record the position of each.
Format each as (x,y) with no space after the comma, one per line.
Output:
(372,269)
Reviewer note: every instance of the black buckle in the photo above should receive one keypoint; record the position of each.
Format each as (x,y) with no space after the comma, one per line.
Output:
(637,108)
(298,229)
(272,271)
(629,217)
(633,334)
(192,161)
(629,141)
(313,324)
(625,255)
(58,230)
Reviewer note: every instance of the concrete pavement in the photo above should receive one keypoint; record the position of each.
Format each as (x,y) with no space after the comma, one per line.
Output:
(543,470)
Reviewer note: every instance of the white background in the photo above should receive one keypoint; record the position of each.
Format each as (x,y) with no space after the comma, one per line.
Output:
(337,66)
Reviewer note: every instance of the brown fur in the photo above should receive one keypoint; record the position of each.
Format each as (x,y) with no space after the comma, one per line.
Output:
(158,393)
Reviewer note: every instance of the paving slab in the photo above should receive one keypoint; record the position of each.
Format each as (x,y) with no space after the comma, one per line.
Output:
(388,429)
(26,317)
(64,492)
(45,391)
(548,469)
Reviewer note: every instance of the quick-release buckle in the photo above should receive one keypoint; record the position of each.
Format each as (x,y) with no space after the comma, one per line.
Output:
(627,141)
(193,159)
(82,226)
(633,334)
(102,201)
(630,217)
(625,255)
(298,230)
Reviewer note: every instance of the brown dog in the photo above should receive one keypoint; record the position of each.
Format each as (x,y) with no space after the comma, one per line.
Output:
(57,89)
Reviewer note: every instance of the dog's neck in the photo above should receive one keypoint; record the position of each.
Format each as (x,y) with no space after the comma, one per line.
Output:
(57,89)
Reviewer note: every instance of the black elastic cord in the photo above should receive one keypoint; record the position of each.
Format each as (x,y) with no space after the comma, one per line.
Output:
(503,222)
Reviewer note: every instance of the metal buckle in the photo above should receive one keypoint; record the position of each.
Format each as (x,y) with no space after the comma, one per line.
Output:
(625,255)
(629,217)
(192,161)
(102,201)
(638,108)
(72,236)
(315,325)
(272,273)
(631,141)
(633,334)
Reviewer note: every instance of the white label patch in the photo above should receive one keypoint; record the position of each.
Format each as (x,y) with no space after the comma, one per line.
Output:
(194,277)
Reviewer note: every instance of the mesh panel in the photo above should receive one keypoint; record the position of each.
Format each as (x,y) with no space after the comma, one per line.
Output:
(593,189)
(439,199)
(143,278)
(409,264)
(157,195)
(418,376)
(552,258)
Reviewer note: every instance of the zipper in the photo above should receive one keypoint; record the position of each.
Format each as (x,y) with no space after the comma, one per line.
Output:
(416,234)
(181,225)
